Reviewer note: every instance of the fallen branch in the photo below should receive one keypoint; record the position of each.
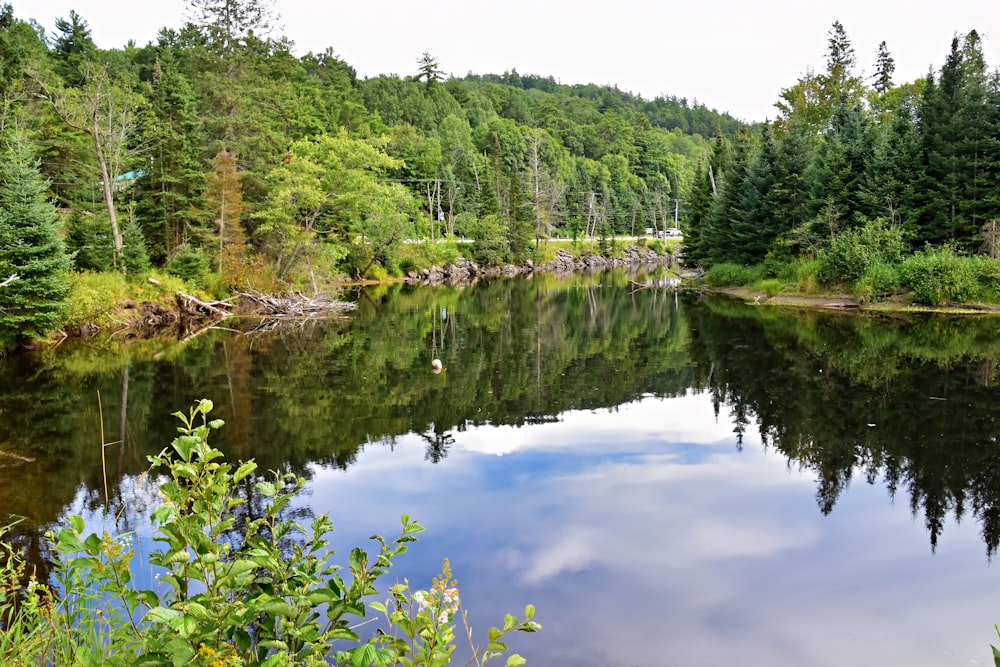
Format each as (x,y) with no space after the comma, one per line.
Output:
(210,307)
(292,305)
(11,278)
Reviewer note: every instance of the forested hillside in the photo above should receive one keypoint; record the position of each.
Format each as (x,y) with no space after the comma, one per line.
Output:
(215,148)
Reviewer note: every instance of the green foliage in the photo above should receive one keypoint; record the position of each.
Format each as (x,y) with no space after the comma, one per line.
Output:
(939,275)
(134,249)
(234,590)
(33,258)
(88,239)
(854,251)
(189,263)
(732,275)
(490,244)
(879,278)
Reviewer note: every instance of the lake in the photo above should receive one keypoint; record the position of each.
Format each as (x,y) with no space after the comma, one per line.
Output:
(669,479)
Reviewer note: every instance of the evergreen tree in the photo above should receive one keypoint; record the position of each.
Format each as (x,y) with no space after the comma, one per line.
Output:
(31,249)
(169,193)
(885,67)
(718,243)
(72,48)
(957,144)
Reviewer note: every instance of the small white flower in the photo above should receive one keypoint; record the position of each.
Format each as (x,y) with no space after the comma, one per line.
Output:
(443,618)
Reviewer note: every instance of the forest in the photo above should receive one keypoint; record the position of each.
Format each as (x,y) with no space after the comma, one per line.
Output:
(217,155)
(861,182)
(215,147)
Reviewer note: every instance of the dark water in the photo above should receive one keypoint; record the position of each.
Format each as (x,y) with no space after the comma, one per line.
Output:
(669,480)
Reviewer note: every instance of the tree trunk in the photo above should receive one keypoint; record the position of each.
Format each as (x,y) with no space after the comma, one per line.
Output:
(116,235)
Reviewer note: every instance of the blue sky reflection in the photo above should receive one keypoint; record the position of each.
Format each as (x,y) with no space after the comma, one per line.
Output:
(644,536)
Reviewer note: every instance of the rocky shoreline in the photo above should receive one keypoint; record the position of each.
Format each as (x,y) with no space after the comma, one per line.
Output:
(466,271)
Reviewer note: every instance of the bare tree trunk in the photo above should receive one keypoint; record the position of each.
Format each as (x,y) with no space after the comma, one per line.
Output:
(116,235)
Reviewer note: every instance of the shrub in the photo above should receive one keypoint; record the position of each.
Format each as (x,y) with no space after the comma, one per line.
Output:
(879,278)
(807,276)
(937,275)
(769,286)
(852,252)
(189,263)
(732,275)
(490,245)
(263,595)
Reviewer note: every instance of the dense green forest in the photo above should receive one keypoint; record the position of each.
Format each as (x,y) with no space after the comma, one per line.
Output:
(217,149)
(859,174)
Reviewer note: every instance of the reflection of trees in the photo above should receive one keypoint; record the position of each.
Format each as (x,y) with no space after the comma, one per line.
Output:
(515,352)
(846,395)
(438,444)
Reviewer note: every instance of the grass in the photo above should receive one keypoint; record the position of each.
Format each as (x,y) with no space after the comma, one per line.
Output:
(98,297)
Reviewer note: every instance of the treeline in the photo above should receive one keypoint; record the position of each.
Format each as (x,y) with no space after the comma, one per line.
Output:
(854,169)
(217,149)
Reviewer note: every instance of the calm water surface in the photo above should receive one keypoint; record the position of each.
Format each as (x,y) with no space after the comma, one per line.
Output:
(669,481)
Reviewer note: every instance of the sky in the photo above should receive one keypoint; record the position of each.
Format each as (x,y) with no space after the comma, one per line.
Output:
(731,55)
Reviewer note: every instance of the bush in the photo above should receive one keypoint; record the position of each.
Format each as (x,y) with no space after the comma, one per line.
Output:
(264,595)
(732,275)
(807,276)
(938,275)
(490,245)
(769,286)
(878,279)
(852,252)
(189,263)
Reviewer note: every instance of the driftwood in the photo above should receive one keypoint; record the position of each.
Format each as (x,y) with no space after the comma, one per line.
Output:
(291,305)
(207,308)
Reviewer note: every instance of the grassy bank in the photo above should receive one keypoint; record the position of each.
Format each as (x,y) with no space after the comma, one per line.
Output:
(871,268)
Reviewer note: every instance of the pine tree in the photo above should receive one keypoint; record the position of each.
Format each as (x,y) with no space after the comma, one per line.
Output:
(169,194)
(718,243)
(885,67)
(957,143)
(30,249)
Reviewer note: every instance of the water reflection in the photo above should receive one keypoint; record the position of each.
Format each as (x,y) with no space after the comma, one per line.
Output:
(645,469)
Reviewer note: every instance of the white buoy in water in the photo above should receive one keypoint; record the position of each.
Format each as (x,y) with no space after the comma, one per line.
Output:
(436,366)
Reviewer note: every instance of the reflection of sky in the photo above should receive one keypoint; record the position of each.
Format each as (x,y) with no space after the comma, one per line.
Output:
(644,537)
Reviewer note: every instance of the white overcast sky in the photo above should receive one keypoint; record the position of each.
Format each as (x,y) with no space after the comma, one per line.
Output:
(732,55)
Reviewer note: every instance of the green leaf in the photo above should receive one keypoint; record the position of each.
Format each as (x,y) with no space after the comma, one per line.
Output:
(515,660)
(266,489)
(69,543)
(76,521)
(184,445)
(244,470)
(216,424)
(278,608)
(509,623)
(529,612)
(363,656)
(162,615)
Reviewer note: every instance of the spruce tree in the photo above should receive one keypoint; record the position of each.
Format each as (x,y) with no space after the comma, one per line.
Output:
(169,193)
(31,250)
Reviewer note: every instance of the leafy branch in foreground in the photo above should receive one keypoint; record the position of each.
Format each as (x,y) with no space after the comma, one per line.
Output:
(262,592)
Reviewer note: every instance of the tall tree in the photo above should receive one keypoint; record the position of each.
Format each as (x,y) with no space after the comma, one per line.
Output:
(33,259)
(225,199)
(72,49)
(228,23)
(108,112)
(955,128)
(885,67)
(169,191)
